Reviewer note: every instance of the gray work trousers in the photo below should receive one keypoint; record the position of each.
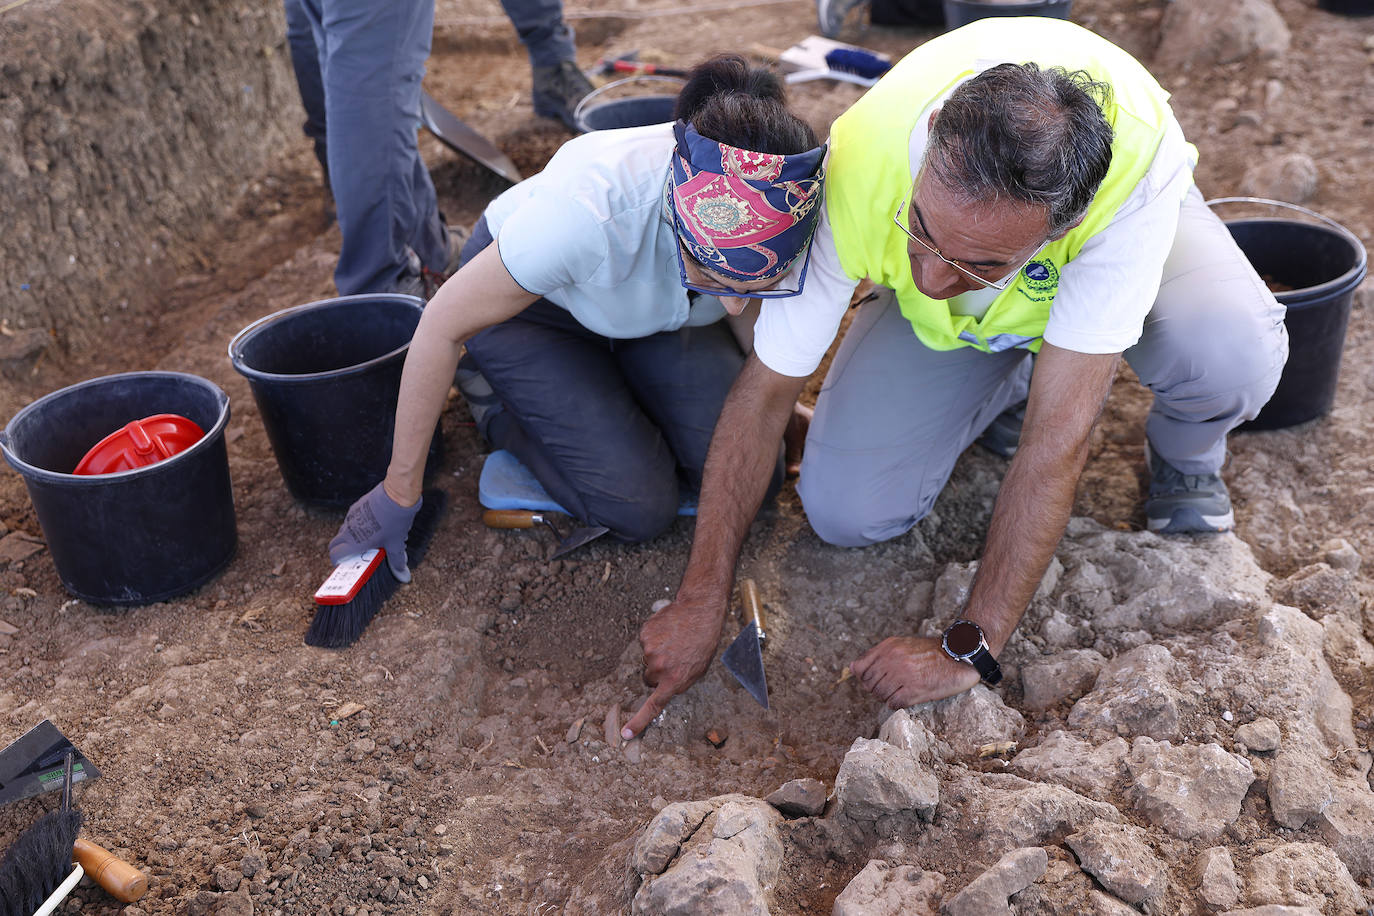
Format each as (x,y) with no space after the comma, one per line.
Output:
(894,415)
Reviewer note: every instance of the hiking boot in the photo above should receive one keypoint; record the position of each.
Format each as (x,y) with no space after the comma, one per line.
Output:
(1185,503)
(419,280)
(477,392)
(1003,434)
(830,15)
(557,90)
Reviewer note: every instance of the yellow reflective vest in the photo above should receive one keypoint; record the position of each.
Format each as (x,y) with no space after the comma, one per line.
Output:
(868,173)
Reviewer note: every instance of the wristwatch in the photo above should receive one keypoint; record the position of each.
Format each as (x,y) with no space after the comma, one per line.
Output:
(964,642)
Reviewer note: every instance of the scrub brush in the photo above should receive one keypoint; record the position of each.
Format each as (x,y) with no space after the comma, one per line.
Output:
(36,865)
(850,65)
(358,587)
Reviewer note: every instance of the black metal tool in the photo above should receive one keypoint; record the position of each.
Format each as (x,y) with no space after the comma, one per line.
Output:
(744,657)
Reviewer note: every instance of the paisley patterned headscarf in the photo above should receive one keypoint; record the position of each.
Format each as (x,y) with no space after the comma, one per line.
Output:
(745,215)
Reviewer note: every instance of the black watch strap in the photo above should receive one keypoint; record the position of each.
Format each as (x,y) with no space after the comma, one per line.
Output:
(987,666)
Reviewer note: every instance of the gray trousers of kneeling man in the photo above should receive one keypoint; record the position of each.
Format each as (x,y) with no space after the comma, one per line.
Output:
(893,415)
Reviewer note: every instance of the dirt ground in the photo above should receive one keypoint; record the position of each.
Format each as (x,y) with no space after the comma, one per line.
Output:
(477,776)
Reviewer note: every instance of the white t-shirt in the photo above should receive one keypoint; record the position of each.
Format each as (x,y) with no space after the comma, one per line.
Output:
(588,233)
(1104,293)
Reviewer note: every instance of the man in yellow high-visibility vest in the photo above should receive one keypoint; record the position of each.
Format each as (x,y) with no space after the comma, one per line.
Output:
(1018,186)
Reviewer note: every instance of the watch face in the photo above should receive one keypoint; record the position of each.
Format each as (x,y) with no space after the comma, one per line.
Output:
(963,638)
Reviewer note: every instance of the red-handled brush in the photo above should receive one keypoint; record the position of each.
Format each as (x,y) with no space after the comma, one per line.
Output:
(358,587)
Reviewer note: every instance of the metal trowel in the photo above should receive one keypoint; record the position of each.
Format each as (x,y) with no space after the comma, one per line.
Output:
(34,762)
(744,657)
(529,518)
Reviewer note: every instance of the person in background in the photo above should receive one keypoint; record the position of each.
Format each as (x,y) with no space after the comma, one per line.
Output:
(607,304)
(1017,186)
(358,65)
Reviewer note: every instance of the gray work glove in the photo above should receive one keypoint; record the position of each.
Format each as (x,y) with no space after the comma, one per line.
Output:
(376,521)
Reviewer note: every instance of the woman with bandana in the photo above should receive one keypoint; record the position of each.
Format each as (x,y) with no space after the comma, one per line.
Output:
(609,320)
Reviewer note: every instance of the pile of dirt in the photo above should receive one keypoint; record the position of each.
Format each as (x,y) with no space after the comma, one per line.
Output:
(462,756)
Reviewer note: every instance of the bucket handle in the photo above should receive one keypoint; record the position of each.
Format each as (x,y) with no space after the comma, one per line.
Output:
(1281,203)
(600,90)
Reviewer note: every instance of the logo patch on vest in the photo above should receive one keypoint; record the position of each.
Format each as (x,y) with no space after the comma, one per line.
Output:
(1039,280)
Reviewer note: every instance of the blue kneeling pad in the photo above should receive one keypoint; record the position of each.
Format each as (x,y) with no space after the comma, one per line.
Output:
(505,483)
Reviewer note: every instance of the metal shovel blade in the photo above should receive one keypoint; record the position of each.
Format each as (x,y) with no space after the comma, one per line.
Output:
(461,138)
(744,659)
(578,538)
(34,762)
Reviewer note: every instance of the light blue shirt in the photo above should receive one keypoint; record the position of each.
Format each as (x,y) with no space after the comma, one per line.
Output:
(589,234)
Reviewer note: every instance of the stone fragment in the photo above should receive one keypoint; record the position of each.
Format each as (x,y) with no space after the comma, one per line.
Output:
(891,890)
(1192,791)
(799,798)
(1347,825)
(23,343)
(1291,177)
(1204,33)
(971,719)
(988,893)
(662,839)
(226,878)
(1068,760)
(1060,676)
(1275,909)
(1008,813)
(900,730)
(1338,554)
(1299,788)
(1133,696)
(1318,589)
(19,545)
(728,866)
(1260,735)
(1303,874)
(1218,883)
(878,779)
(1120,858)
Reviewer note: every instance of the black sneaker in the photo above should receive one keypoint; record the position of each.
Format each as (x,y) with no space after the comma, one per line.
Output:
(419,280)
(1003,434)
(557,90)
(1185,503)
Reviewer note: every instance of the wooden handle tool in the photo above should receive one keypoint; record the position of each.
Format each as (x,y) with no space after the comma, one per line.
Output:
(119,878)
(751,606)
(513,518)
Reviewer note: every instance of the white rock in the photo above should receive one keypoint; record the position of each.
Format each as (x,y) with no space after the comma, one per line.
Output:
(1059,676)
(971,719)
(1191,791)
(988,893)
(1347,824)
(1134,695)
(1070,761)
(1260,735)
(1119,856)
(1218,883)
(1299,787)
(878,779)
(891,890)
(1303,874)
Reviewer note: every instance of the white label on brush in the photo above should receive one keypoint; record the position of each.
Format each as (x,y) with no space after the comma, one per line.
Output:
(343,582)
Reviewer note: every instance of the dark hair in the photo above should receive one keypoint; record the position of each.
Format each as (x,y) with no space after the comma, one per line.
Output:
(727,100)
(1034,135)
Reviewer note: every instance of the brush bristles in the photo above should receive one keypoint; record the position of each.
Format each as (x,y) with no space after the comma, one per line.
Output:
(337,626)
(37,862)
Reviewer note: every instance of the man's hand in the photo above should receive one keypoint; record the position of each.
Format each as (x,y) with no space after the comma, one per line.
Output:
(679,643)
(906,670)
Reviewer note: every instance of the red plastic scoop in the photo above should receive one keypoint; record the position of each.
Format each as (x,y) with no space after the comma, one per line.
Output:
(141,443)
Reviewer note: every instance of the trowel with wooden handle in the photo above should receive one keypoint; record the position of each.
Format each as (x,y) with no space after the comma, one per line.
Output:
(528,518)
(34,762)
(461,138)
(744,657)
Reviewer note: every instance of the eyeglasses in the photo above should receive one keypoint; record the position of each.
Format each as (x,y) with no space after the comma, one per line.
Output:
(783,290)
(1001,284)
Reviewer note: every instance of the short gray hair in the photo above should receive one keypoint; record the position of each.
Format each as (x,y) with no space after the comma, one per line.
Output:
(1034,135)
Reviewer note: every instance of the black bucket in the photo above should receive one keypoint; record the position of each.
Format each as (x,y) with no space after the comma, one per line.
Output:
(326,376)
(962,12)
(1320,264)
(1348,7)
(137,536)
(597,113)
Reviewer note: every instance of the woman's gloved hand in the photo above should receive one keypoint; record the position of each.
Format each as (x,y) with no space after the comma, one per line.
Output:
(376,520)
